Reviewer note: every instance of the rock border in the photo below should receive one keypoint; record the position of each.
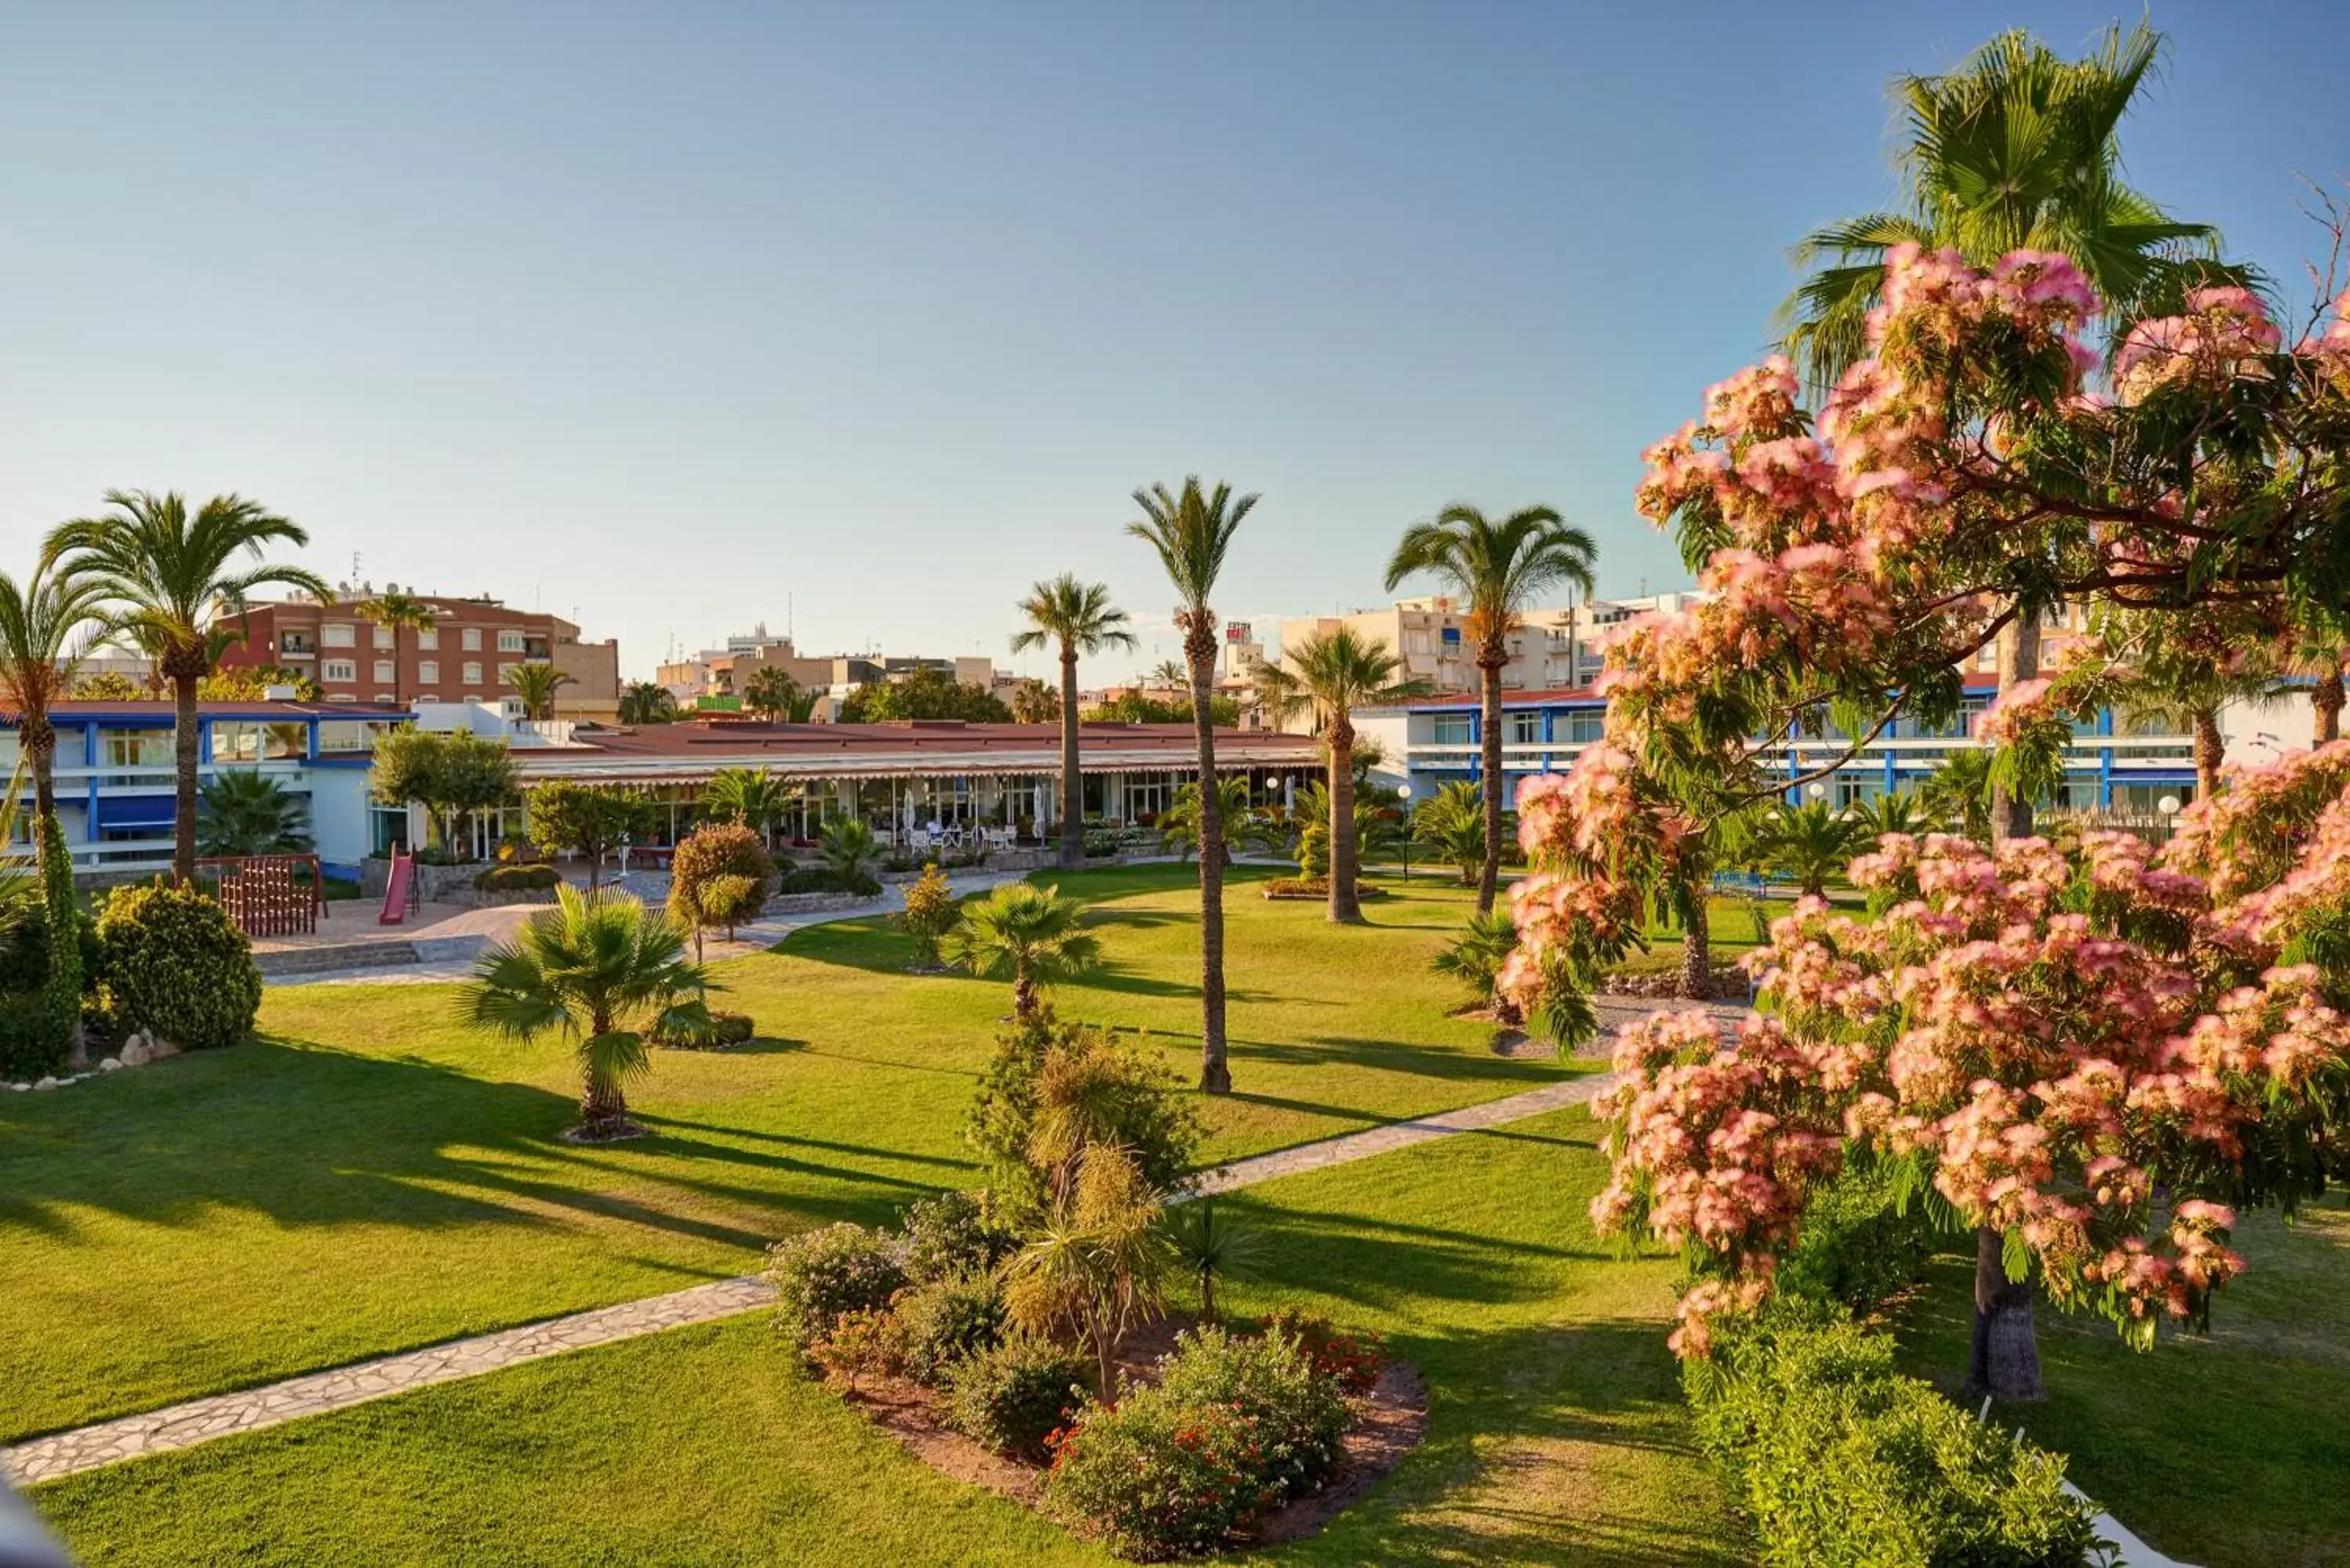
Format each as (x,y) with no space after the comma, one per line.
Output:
(142,1048)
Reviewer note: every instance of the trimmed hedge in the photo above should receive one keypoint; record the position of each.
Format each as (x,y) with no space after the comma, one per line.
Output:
(824,879)
(724,1029)
(176,965)
(518,879)
(1840,1462)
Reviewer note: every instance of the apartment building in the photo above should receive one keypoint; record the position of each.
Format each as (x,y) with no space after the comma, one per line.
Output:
(464,656)
(726,672)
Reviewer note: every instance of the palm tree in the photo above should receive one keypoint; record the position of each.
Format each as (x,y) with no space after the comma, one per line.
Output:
(2190,696)
(600,971)
(1331,674)
(647,702)
(171,576)
(243,811)
(1498,569)
(1475,958)
(1808,843)
(1169,672)
(38,625)
(1897,811)
(2016,148)
(1957,793)
(1191,534)
(1024,932)
(754,797)
(1081,619)
(770,692)
(1034,703)
(392,611)
(535,683)
(1244,826)
(2321,649)
(1451,824)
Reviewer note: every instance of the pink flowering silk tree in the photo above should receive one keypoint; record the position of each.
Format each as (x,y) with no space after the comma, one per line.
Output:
(1962,474)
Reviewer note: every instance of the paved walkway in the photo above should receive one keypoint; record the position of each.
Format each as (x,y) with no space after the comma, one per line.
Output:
(219,1414)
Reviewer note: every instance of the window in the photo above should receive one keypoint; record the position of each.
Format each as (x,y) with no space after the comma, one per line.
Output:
(383,671)
(510,642)
(138,748)
(1585,728)
(473,672)
(383,637)
(1452,730)
(339,634)
(472,639)
(1525,729)
(339,670)
(349,737)
(506,673)
(429,671)
(427,640)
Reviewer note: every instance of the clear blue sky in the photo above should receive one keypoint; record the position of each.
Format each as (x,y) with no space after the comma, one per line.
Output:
(667,312)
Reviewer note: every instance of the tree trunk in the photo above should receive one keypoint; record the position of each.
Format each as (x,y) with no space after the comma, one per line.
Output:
(1489,875)
(2210,747)
(1697,953)
(2003,1363)
(1346,906)
(1073,794)
(1215,1071)
(599,1106)
(2327,698)
(1207,1294)
(1023,995)
(183,792)
(2018,662)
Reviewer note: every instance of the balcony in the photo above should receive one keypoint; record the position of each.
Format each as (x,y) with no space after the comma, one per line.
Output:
(291,645)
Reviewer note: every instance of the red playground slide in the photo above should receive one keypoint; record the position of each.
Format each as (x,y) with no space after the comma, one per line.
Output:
(395,892)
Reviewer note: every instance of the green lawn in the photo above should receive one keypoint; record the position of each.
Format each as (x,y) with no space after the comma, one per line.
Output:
(1556,1432)
(370,1176)
(2228,1451)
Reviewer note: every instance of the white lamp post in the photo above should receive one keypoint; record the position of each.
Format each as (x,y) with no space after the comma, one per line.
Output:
(1403,793)
(2168,806)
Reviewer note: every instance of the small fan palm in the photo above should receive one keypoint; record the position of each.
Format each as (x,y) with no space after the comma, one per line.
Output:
(1331,674)
(1450,825)
(1957,793)
(1894,812)
(1191,534)
(1499,568)
(1475,958)
(1808,844)
(1245,827)
(1024,933)
(599,972)
(535,684)
(171,576)
(849,849)
(243,811)
(1079,618)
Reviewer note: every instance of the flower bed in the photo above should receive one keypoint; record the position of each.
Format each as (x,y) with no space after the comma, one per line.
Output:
(1217,1435)
(1317,888)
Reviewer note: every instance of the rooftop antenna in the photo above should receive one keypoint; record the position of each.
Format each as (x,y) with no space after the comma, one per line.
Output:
(787,617)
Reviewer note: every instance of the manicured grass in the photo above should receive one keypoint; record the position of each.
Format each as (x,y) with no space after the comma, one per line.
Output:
(372,1175)
(2228,1451)
(1556,1434)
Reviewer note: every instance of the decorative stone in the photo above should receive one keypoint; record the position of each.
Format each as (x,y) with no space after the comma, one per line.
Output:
(134,1053)
(20,1088)
(45,1084)
(157,1047)
(110,1064)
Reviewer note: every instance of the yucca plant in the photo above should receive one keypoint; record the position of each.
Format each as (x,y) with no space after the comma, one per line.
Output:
(600,972)
(1210,1245)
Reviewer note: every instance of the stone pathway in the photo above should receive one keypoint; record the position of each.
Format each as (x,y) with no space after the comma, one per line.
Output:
(199,1420)
(217,1416)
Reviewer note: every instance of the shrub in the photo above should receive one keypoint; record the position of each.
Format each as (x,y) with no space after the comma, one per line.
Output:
(1136,1106)
(38,1005)
(1353,1358)
(1099,846)
(945,1322)
(867,1342)
(1297,1410)
(177,966)
(35,1037)
(1317,887)
(722,1029)
(954,1233)
(514,877)
(1855,1248)
(1012,1396)
(822,1275)
(1842,1463)
(704,860)
(929,915)
(827,880)
(1154,1479)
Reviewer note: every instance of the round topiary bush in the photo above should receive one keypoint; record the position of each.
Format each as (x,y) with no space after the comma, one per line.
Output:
(517,878)
(723,849)
(177,966)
